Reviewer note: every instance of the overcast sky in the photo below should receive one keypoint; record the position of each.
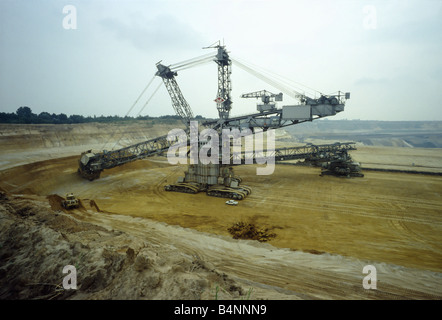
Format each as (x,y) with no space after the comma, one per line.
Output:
(387,53)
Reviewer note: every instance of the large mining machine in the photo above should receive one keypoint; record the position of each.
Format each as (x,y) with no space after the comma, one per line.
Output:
(341,164)
(218,179)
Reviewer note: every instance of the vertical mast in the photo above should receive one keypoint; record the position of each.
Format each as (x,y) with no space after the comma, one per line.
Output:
(223,99)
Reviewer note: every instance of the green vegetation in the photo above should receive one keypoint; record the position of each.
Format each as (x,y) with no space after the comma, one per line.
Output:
(25,115)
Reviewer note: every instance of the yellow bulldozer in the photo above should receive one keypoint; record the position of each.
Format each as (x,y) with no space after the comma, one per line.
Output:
(71,202)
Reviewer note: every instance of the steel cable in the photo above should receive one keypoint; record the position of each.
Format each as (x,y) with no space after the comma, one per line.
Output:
(281,81)
(185,63)
(130,109)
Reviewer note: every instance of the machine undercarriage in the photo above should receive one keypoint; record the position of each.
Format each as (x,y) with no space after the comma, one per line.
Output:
(217,180)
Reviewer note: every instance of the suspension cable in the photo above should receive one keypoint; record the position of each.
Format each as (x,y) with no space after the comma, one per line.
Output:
(191,61)
(130,109)
(279,81)
(288,81)
(194,64)
(292,93)
(150,98)
(136,101)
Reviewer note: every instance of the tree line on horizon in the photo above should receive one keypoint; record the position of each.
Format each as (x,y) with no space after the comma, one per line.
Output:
(24,115)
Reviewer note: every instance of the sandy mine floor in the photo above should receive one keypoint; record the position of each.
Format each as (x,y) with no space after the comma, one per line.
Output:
(138,241)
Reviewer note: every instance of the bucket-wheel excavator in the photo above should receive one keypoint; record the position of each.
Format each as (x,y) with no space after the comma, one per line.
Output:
(218,179)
